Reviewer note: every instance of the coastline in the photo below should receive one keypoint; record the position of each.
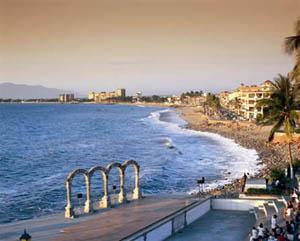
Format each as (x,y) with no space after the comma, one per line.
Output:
(246,134)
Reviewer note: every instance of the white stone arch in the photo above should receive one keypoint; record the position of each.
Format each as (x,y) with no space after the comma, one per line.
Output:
(69,212)
(121,196)
(105,199)
(136,191)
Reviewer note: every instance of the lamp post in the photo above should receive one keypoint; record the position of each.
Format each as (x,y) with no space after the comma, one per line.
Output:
(25,236)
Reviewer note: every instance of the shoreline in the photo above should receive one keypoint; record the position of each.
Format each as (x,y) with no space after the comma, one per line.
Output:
(246,134)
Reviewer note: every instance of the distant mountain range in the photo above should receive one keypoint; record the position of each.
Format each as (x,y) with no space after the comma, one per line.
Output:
(19,91)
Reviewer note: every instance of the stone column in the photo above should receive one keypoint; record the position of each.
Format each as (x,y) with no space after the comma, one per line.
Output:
(69,209)
(105,199)
(136,191)
(122,195)
(88,205)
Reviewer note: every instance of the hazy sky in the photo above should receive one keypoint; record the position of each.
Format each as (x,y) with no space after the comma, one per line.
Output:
(154,46)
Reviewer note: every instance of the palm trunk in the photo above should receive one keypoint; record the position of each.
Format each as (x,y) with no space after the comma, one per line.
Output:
(291,160)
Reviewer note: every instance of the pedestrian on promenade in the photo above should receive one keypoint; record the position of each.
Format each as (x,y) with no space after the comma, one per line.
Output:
(289,211)
(281,235)
(274,224)
(244,182)
(254,234)
(261,231)
(272,238)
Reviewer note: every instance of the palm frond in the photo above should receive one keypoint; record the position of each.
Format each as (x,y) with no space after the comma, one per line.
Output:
(264,102)
(296,69)
(292,44)
(296,88)
(279,109)
(294,115)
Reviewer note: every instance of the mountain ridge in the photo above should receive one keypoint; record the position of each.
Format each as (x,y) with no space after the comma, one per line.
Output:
(10,90)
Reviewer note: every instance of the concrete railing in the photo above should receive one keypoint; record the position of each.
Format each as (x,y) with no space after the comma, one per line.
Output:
(173,223)
(236,204)
(248,205)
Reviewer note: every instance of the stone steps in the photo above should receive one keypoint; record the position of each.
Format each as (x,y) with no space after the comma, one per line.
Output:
(280,206)
(260,214)
(270,209)
(264,213)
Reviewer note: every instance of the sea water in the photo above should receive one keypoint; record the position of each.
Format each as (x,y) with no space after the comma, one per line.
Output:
(41,143)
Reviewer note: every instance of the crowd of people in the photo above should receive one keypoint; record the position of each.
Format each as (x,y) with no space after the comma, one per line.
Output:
(279,231)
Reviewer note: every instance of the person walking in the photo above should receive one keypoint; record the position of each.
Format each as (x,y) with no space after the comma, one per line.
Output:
(274,224)
(261,231)
(254,234)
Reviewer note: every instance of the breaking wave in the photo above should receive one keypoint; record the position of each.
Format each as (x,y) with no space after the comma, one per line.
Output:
(220,158)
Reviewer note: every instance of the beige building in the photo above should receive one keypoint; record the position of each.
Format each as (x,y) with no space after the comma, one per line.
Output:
(107,96)
(64,98)
(174,99)
(137,97)
(194,100)
(244,100)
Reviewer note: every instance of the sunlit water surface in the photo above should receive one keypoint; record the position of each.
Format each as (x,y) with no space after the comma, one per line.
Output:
(41,144)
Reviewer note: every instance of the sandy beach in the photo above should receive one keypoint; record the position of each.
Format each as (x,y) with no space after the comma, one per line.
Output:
(245,133)
(248,135)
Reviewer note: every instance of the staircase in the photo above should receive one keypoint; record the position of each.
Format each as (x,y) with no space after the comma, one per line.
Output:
(264,213)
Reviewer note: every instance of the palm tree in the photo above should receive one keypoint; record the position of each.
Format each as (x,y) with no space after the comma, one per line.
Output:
(236,104)
(280,110)
(292,46)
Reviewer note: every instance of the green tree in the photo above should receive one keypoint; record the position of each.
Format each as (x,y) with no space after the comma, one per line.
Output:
(236,104)
(280,111)
(292,46)
(213,101)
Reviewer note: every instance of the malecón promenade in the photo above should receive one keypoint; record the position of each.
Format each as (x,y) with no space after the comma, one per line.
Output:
(142,218)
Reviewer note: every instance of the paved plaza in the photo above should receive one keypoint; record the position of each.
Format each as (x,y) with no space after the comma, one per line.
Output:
(218,225)
(110,224)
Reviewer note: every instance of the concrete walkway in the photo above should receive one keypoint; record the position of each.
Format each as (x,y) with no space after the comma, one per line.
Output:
(110,224)
(218,225)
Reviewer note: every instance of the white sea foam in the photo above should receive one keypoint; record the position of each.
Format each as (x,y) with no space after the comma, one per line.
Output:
(237,159)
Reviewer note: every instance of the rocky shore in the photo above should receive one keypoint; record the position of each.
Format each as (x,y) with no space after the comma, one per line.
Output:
(248,135)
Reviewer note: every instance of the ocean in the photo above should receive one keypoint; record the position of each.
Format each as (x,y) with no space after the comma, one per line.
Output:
(41,143)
